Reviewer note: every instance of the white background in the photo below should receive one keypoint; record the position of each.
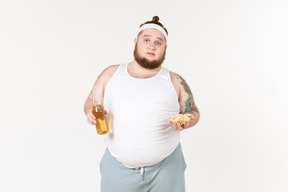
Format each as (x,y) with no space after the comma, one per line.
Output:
(233,54)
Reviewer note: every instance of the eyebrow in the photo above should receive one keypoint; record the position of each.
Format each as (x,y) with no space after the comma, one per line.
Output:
(156,37)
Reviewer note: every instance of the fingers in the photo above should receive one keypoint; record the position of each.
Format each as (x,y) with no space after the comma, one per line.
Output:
(91,118)
(181,121)
(178,126)
(192,117)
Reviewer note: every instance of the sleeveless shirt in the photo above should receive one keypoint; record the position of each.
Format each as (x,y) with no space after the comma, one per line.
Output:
(141,110)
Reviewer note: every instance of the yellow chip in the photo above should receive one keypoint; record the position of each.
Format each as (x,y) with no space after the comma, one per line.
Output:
(180,118)
(172,119)
(186,118)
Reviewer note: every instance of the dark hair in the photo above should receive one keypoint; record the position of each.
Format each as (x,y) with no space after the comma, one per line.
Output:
(155,20)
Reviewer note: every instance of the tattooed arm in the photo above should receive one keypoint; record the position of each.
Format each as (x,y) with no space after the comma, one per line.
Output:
(186,101)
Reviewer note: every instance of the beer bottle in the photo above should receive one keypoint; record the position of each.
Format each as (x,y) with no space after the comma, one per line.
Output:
(99,113)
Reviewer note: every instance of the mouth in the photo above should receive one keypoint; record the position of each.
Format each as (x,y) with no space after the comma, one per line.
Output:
(150,54)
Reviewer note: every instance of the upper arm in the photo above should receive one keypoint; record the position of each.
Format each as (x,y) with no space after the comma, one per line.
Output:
(102,81)
(185,97)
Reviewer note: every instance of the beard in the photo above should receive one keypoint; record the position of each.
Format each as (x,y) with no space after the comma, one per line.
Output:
(145,63)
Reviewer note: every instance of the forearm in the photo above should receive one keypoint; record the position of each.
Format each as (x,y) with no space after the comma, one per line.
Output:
(195,120)
(88,105)
(191,108)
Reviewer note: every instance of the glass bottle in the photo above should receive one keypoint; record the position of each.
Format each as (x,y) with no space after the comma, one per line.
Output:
(99,113)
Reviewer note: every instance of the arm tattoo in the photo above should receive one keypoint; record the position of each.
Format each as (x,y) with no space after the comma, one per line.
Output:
(190,106)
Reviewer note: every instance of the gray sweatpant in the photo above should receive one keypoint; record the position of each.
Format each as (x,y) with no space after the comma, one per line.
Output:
(165,176)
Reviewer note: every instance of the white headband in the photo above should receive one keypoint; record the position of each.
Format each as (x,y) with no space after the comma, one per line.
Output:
(154,26)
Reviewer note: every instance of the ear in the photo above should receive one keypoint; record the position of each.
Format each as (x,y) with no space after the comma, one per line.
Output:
(166,46)
(135,40)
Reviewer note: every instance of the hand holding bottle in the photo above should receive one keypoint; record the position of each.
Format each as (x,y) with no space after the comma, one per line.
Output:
(91,118)
(96,116)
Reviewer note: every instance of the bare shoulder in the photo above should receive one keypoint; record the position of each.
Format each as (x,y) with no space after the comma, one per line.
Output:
(176,80)
(109,71)
(173,76)
(105,76)
(112,68)
(180,85)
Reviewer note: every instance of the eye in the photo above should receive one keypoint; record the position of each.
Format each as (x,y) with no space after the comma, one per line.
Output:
(146,40)
(158,43)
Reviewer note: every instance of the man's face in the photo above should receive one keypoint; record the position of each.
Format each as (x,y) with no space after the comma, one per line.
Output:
(150,48)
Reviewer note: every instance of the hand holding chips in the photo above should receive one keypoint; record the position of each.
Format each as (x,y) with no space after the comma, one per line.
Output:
(181,118)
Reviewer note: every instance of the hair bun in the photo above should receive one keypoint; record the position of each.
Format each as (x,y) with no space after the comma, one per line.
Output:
(155,19)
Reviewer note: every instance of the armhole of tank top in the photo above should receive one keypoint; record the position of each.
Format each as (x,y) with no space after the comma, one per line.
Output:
(170,80)
(121,65)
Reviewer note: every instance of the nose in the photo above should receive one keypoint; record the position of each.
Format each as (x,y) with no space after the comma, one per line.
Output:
(152,46)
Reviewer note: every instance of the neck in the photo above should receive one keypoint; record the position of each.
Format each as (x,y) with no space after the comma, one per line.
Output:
(137,71)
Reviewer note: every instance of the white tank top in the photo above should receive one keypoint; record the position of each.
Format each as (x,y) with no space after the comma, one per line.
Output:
(141,110)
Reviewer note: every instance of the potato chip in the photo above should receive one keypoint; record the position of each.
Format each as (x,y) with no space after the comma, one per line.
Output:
(180,118)
(186,118)
(174,117)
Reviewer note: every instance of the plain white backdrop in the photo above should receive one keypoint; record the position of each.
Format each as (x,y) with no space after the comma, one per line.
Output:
(232,53)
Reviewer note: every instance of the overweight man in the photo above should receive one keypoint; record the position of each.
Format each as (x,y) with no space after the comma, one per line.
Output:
(144,153)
